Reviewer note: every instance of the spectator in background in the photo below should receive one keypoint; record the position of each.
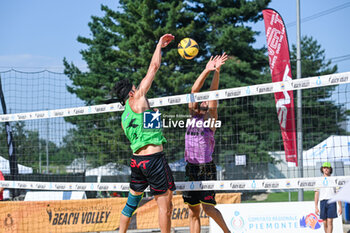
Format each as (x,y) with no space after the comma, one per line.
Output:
(327,211)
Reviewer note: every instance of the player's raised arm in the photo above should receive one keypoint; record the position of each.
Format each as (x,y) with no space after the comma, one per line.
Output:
(218,63)
(201,78)
(213,104)
(154,65)
(198,84)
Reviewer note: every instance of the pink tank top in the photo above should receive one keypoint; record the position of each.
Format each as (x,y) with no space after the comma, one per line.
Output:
(199,144)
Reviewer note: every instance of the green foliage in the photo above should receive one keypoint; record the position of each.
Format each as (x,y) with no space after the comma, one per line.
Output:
(121,46)
(97,140)
(32,151)
(24,142)
(29,147)
(322,115)
(284,197)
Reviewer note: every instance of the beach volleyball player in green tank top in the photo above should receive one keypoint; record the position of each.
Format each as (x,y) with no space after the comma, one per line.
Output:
(148,164)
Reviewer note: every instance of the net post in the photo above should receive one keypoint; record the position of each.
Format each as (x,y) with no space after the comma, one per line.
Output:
(299,105)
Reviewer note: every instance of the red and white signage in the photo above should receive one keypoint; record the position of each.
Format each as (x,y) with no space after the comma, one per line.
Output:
(279,60)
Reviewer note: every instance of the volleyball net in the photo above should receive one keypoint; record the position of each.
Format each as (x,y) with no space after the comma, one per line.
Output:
(65,149)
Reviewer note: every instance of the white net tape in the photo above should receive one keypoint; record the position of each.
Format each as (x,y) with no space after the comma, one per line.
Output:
(298,84)
(230,185)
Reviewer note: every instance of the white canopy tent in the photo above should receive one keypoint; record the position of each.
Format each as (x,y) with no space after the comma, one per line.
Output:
(332,149)
(110,169)
(5,167)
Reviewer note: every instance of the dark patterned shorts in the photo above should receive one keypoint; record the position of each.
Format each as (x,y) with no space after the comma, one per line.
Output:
(152,170)
(199,172)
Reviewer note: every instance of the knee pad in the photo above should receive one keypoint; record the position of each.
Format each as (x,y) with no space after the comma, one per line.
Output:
(131,204)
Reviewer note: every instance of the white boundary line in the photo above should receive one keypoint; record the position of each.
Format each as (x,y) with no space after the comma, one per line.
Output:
(297,84)
(231,185)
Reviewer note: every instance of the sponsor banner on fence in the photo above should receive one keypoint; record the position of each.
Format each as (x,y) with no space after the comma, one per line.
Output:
(147,214)
(273,217)
(92,215)
(61,216)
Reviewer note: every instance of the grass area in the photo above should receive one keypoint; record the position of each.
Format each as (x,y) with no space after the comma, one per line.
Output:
(284,196)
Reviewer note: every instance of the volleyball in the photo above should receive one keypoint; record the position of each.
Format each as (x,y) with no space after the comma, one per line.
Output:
(188,48)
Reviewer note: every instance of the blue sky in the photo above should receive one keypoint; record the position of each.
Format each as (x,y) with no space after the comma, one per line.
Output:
(37,34)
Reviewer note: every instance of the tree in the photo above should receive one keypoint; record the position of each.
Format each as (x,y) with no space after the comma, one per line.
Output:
(321,116)
(121,47)
(28,146)
(122,44)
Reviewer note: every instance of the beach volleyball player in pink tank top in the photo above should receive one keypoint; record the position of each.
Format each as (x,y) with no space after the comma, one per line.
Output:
(199,148)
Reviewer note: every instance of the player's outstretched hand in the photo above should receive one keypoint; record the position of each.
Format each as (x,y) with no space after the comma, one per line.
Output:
(165,40)
(211,63)
(220,61)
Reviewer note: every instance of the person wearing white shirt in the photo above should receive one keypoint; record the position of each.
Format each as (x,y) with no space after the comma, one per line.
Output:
(327,211)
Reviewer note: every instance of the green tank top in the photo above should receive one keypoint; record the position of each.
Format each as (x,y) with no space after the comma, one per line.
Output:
(138,136)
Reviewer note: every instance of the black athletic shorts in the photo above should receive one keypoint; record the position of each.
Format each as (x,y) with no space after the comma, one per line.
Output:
(152,170)
(199,172)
